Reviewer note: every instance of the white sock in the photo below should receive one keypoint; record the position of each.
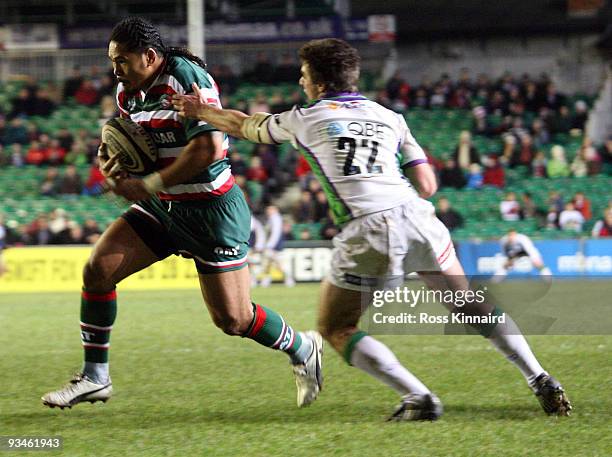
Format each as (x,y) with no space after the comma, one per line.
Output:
(377,360)
(508,339)
(97,372)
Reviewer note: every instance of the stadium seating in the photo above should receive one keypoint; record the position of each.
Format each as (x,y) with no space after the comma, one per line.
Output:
(437,129)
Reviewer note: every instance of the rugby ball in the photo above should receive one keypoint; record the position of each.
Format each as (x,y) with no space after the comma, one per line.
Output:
(130,141)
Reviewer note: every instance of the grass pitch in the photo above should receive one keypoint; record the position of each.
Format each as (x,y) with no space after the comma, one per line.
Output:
(183,388)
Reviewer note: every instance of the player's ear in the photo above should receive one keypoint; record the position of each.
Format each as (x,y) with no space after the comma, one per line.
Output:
(151,56)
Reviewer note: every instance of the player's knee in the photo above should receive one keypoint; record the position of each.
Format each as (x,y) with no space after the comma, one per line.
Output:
(96,277)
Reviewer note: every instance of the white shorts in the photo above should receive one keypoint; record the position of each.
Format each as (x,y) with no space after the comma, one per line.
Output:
(377,250)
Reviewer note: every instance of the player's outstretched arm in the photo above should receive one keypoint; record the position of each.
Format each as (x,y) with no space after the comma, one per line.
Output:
(233,122)
(194,106)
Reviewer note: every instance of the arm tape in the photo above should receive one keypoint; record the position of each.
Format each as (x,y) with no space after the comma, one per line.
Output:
(255,128)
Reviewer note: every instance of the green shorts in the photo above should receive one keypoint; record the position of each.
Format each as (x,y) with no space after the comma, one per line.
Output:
(214,233)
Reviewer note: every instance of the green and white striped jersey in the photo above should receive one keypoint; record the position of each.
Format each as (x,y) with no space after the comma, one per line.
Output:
(152,109)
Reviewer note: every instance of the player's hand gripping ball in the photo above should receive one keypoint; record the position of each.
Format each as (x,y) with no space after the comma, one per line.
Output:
(134,149)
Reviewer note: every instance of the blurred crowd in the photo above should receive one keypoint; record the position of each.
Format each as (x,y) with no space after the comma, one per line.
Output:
(523,113)
(53,228)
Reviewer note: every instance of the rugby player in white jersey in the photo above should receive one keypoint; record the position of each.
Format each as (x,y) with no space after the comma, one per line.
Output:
(360,151)
(517,246)
(190,206)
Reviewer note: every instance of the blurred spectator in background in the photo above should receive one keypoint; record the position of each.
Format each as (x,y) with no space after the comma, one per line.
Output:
(449,217)
(510,208)
(72,234)
(23,104)
(557,166)
(321,207)
(95,180)
(531,97)
(16,155)
(570,219)
(71,183)
(107,86)
(65,138)
(36,154)
(303,210)
(562,121)
(605,153)
(508,156)
(581,115)
(603,227)
(420,99)
(555,200)
(86,94)
(259,104)
(55,153)
(288,71)
(267,154)
(494,174)
(226,79)
(526,151)
(474,177)
(256,171)
(108,109)
(239,166)
(398,92)
(553,99)
(77,155)
(263,70)
(42,103)
(465,153)
(38,232)
(16,132)
(529,209)
(72,84)
(438,97)
(480,124)
(58,221)
(539,165)
(302,170)
(50,185)
(277,103)
(539,133)
(91,231)
(591,156)
(579,166)
(451,175)
(583,205)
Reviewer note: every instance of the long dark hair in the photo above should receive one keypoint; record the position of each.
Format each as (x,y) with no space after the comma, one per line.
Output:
(138,35)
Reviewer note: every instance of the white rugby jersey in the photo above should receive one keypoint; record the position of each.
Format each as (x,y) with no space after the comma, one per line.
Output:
(521,245)
(356,148)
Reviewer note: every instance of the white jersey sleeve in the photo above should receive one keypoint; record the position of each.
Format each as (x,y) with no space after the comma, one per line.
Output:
(412,153)
(282,127)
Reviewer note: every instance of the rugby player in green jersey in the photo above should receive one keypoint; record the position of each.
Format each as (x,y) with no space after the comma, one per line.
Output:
(191,207)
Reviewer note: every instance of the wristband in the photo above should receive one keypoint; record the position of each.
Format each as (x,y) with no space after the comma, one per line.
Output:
(153,183)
